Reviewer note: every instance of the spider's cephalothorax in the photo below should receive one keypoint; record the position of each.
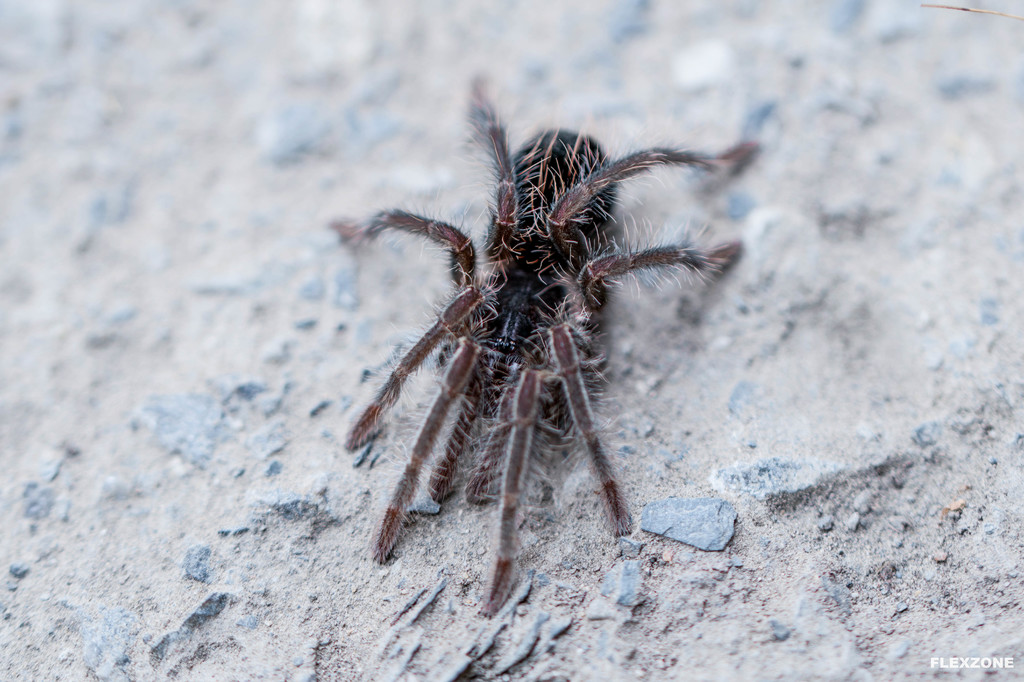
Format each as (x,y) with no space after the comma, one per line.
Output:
(516,335)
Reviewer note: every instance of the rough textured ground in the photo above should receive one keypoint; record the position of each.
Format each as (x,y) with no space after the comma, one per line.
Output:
(183,343)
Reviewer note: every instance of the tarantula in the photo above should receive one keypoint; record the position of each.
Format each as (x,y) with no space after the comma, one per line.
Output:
(516,338)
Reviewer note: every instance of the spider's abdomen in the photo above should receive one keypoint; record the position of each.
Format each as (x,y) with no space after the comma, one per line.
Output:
(545,167)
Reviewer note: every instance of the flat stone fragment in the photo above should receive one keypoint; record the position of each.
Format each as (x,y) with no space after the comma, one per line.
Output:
(773,476)
(779,631)
(268,440)
(623,583)
(196,564)
(209,609)
(190,425)
(705,523)
(107,641)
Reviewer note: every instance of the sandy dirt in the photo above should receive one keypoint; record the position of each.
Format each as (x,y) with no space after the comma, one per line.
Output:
(183,343)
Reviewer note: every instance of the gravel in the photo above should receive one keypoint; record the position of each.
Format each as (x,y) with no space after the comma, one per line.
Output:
(779,631)
(345,295)
(852,522)
(927,434)
(313,289)
(107,641)
(169,169)
(623,583)
(190,425)
(268,440)
(196,564)
(630,549)
(705,523)
(38,501)
(211,607)
(773,476)
(234,386)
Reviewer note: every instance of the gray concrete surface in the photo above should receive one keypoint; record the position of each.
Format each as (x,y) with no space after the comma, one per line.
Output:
(183,343)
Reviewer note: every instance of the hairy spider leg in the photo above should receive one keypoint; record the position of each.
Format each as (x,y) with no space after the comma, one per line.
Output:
(523,424)
(454,240)
(448,323)
(570,372)
(490,133)
(479,486)
(562,219)
(594,275)
(442,476)
(462,367)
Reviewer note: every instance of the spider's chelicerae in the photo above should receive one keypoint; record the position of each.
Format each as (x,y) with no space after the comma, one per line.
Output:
(517,336)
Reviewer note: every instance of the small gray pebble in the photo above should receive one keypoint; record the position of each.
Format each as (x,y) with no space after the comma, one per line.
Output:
(313,289)
(107,641)
(196,564)
(189,425)
(773,476)
(839,593)
(248,622)
(779,631)
(268,440)
(623,583)
(424,505)
(278,351)
(989,311)
(902,606)
(38,501)
(19,570)
(705,523)
(927,434)
(320,407)
(630,549)
(345,296)
(244,387)
(600,609)
(48,470)
(274,467)
(742,395)
(852,521)
(236,530)
(958,86)
(826,523)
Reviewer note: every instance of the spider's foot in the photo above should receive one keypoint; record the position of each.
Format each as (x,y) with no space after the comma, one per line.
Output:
(738,157)
(501,585)
(387,534)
